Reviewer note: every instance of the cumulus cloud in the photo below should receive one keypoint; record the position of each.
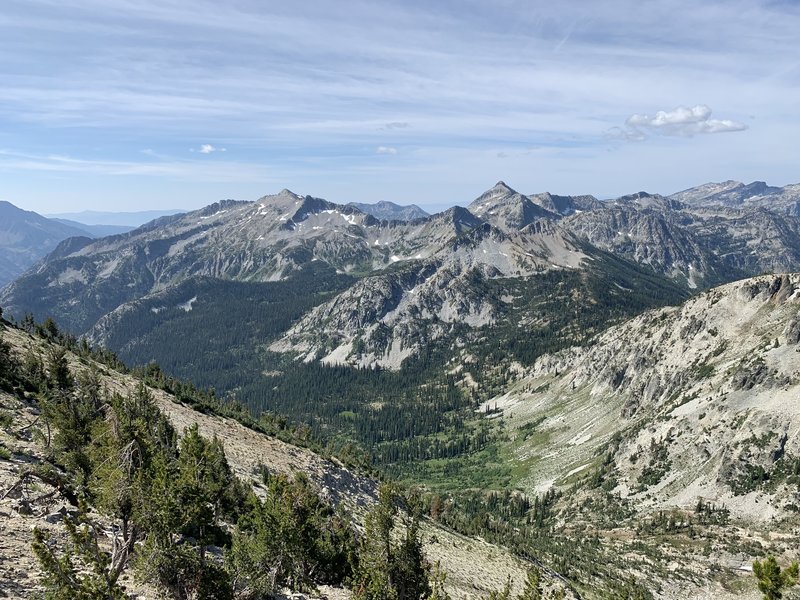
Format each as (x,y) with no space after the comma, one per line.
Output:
(208,149)
(681,121)
(386,150)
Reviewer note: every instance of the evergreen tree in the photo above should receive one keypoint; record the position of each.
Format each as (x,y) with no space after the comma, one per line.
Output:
(438,579)
(387,571)
(179,501)
(533,585)
(58,377)
(410,570)
(772,581)
(373,579)
(7,362)
(505,594)
(84,571)
(290,538)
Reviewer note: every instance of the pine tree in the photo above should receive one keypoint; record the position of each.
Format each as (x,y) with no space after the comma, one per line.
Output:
(7,362)
(505,594)
(373,579)
(438,579)
(410,571)
(533,585)
(84,571)
(291,538)
(772,581)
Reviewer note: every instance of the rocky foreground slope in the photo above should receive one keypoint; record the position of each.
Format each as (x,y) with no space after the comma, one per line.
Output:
(666,415)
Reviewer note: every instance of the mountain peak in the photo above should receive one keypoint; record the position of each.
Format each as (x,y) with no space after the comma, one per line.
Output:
(507,209)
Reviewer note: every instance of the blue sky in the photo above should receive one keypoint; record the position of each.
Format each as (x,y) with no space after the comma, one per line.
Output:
(145,104)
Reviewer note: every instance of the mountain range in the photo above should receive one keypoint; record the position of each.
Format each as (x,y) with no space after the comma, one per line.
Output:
(735,194)
(405,273)
(588,382)
(391,211)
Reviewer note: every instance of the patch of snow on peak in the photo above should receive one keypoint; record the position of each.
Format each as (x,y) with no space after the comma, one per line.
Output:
(187,306)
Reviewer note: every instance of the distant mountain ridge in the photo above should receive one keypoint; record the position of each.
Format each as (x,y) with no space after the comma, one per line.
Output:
(419,278)
(25,237)
(120,219)
(391,211)
(96,230)
(735,194)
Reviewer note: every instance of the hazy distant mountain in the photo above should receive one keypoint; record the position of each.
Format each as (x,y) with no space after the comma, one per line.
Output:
(735,194)
(391,211)
(124,219)
(96,230)
(25,237)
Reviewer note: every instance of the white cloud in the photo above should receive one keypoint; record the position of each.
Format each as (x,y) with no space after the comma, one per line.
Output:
(385,150)
(208,149)
(681,121)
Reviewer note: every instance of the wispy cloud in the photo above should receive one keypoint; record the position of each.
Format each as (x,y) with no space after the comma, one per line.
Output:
(302,87)
(174,169)
(208,149)
(385,150)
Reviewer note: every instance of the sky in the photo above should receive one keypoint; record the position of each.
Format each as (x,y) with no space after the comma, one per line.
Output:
(127,105)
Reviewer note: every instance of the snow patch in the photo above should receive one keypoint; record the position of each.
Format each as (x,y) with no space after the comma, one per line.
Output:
(187,306)
(219,212)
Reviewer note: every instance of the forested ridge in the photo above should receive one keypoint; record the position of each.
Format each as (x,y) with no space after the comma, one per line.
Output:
(397,420)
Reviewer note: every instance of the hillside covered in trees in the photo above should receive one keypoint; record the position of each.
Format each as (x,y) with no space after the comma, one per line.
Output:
(148,509)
